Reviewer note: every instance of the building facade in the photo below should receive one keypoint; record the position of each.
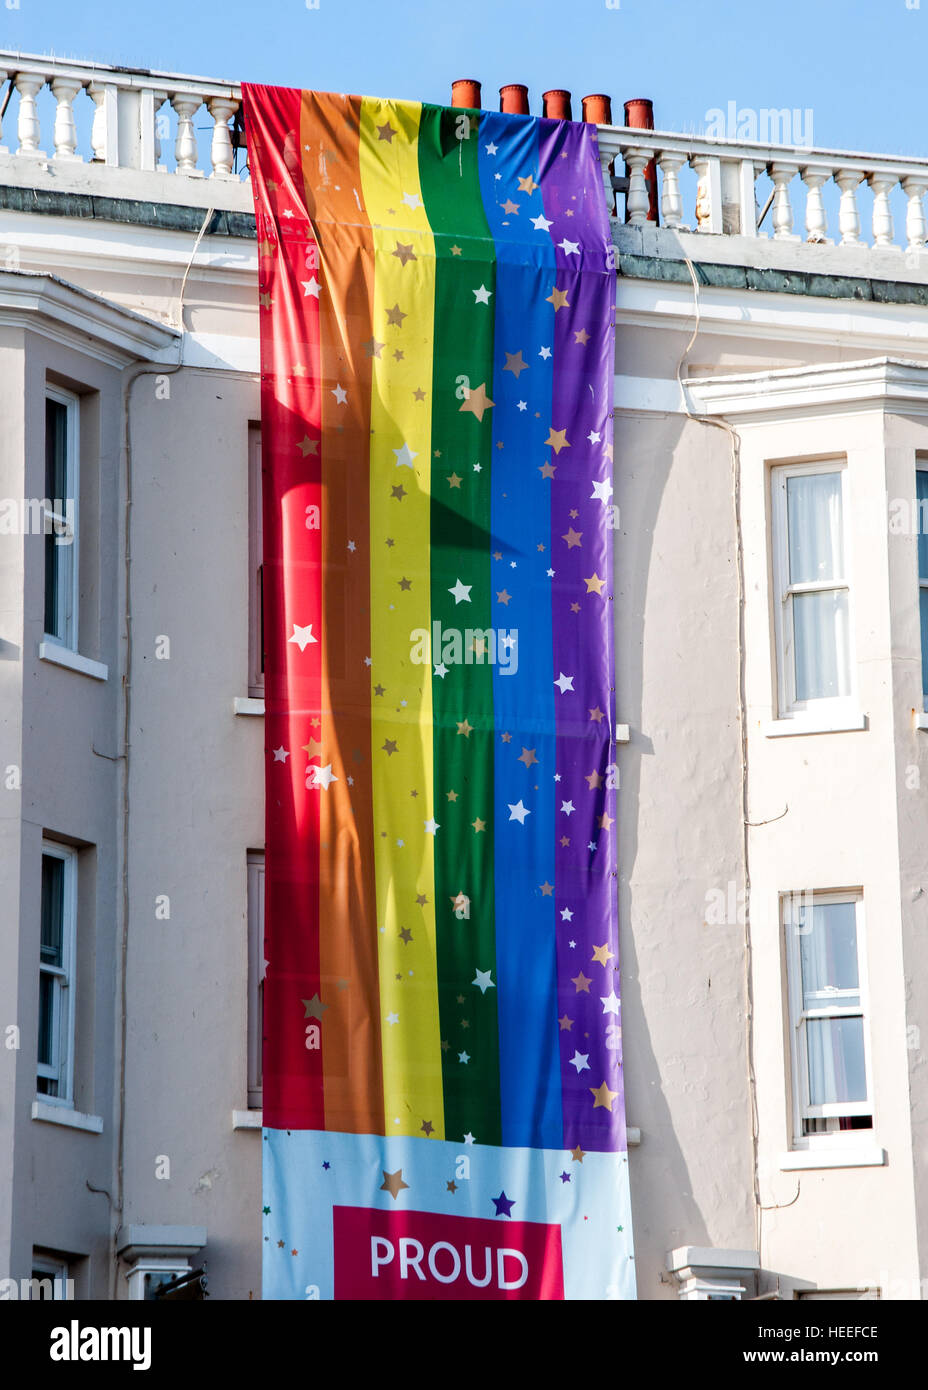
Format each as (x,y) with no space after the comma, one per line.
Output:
(771,461)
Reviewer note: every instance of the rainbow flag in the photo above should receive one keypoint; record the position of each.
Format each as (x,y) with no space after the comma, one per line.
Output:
(442,1055)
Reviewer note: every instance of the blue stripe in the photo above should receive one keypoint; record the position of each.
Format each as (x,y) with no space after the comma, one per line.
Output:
(530,1085)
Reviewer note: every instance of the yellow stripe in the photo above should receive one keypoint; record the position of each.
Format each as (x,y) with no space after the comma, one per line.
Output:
(402,716)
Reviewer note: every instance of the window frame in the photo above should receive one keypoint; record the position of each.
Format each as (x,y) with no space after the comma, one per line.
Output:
(256,974)
(64,1013)
(67,576)
(788,706)
(801,1105)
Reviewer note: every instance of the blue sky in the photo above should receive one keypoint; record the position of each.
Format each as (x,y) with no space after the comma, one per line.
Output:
(858,64)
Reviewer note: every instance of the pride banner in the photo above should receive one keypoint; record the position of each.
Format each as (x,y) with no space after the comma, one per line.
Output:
(443,1097)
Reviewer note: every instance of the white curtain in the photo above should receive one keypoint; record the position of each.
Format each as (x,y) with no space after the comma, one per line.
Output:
(835,1046)
(816,555)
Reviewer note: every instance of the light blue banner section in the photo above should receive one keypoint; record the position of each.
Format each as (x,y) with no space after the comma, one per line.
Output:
(307,1173)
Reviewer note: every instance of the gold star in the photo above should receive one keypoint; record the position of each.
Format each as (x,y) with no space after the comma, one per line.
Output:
(572,538)
(602,955)
(575,608)
(527,756)
(313,1008)
(515,364)
(581,983)
(547,470)
(266,248)
(299,369)
(452,1185)
(455,250)
(372,348)
(418,394)
(581,337)
(478,825)
(557,439)
(404,253)
(503,597)
(558,298)
(577,1154)
(396,316)
(452,795)
(312,748)
(594,585)
(509,207)
(454,480)
(393,1182)
(465,728)
(527,185)
(565,841)
(602,1096)
(566,1023)
(605,821)
(596,715)
(386,132)
(507,738)
(308,446)
(546,889)
(593,781)
(265,301)
(477,401)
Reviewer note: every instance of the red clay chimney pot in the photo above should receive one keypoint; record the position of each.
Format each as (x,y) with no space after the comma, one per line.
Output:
(597,109)
(513,98)
(557,104)
(466,92)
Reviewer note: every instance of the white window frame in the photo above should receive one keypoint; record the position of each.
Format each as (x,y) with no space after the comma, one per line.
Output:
(68,567)
(61,1069)
(921,466)
(790,906)
(789,706)
(256,973)
(50,1267)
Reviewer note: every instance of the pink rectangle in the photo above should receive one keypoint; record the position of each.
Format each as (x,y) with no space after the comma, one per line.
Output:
(424,1255)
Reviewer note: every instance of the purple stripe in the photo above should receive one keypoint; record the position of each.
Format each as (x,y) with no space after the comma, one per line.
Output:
(585,887)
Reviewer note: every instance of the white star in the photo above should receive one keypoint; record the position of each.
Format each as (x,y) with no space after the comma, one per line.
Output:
(412,200)
(461,592)
(491,148)
(580,1060)
(566,915)
(288,213)
(352,547)
(572,944)
(280,754)
(482,296)
(483,980)
(468,1138)
(592,847)
(550,573)
(404,456)
(393,1018)
(431,826)
(593,437)
(367,661)
(610,1003)
(401,844)
(323,776)
(568,808)
(302,636)
(340,394)
(541,224)
(518,812)
(601,491)
(557,777)
(522,405)
(477,468)
(564,683)
(464,1057)
(545,353)
(311,287)
(570,248)
(497,176)
(441,670)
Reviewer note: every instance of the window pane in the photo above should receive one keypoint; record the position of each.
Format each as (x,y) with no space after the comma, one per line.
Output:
(52,909)
(54,617)
(813,505)
(820,636)
(836,1060)
(923,614)
(921,492)
(56,455)
(47,987)
(828,954)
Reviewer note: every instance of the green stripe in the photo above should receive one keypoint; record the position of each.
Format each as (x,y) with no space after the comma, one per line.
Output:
(461,545)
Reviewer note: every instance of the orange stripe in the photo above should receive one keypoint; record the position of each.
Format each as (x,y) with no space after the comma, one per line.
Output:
(351,1043)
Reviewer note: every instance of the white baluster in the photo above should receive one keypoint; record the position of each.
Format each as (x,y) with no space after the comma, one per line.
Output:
(813,176)
(708,193)
(185,146)
(27,126)
(222,109)
(637,200)
(606,162)
(782,174)
(882,185)
(65,89)
(916,230)
(104,139)
(671,197)
(848,216)
(3,77)
(157,101)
